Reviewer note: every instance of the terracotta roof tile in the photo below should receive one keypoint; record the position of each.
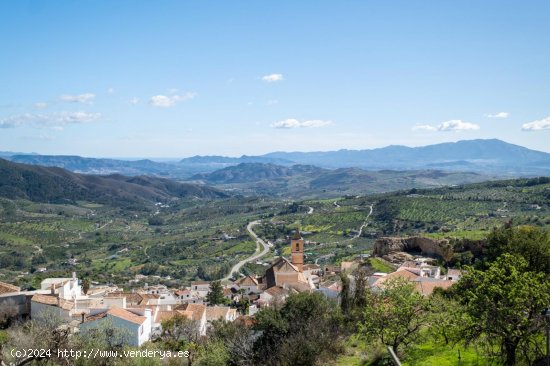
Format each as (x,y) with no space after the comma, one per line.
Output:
(426,288)
(45,299)
(126,315)
(6,288)
(247,281)
(217,312)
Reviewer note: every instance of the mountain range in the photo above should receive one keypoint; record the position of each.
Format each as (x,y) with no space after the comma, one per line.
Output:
(485,156)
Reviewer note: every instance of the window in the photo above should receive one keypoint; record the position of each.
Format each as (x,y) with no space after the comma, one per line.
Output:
(297,247)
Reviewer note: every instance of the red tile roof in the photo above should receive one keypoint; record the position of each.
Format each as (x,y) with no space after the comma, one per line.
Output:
(6,288)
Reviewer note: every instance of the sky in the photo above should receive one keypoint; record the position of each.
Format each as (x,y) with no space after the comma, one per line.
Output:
(183,78)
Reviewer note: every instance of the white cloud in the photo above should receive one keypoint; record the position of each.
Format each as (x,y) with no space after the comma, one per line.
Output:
(498,115)
(271,78)
(134,101)
(52,120)
(110,90)
(272,102)
(456,125)
(294,123)
(539,125)
(40,105)
(452,125)
(165,101)
(87,98)
(424,127)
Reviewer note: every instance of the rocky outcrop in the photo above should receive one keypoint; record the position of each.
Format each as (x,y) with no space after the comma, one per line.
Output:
(424,246)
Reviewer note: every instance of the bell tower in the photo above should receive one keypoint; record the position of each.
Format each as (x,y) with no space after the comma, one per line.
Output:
(297,250)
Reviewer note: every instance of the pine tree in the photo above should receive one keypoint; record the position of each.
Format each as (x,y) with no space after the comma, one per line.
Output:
(215,295)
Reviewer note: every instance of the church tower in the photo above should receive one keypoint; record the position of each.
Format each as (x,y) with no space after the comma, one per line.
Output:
(297,250)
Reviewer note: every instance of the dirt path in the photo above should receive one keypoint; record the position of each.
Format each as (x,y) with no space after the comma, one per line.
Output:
(262,248)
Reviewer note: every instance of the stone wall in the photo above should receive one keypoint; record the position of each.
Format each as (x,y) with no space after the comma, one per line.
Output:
(425,246)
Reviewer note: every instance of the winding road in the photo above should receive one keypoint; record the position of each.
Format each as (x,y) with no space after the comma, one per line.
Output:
(365,223)
(257,255)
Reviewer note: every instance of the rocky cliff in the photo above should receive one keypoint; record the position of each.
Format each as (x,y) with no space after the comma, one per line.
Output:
(425,246)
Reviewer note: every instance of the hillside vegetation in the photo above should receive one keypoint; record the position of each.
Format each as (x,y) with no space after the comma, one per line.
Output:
(56,185)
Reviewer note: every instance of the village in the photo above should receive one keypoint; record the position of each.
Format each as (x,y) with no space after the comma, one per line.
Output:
(141,312)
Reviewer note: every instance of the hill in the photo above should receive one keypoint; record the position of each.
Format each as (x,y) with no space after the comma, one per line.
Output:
(56,185)
(255,172)
(309,181)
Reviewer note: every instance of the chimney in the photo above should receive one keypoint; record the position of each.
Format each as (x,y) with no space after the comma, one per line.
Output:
(74,275)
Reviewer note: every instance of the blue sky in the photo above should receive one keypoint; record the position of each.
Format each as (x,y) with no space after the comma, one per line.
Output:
(179,78)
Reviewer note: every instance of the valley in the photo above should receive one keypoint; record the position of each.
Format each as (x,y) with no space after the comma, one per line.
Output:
(191,237)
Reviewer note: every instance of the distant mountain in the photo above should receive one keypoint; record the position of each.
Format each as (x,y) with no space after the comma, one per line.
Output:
(4,154)
(206,164)
(80,164)
(307,181)
(254,172)
(477,155)
(176,170)
(56,185)
(484,156)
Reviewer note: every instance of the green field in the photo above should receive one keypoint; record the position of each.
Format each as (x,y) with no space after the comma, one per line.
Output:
(193,239)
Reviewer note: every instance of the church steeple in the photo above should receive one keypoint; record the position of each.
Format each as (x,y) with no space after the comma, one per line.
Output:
(297,250)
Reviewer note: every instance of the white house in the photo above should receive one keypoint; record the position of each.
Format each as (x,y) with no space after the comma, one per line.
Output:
(188,296)
(201,287)
(65,288)
(453,274)
(135,324)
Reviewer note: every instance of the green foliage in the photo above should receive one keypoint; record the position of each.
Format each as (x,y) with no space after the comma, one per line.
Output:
(306,330)
(238,340)
(179,333)
(503,306)
(155,221)
(380,266)
(149,269)
(212,353)
(215,295)
(529,242)
(395,315)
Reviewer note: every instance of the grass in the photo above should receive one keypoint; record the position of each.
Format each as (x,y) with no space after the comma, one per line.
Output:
(430,354)
(359,353)
(380,266)
(461,234)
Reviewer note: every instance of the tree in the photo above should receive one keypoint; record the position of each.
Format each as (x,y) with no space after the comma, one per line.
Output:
(503,305)
(105,336)
(345,298)
(445,317)
(306,330)
(395,315)
(215,295)
(238,340)
(85,286)
(212,353)
(180,333)
(43,332)
(530,242)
